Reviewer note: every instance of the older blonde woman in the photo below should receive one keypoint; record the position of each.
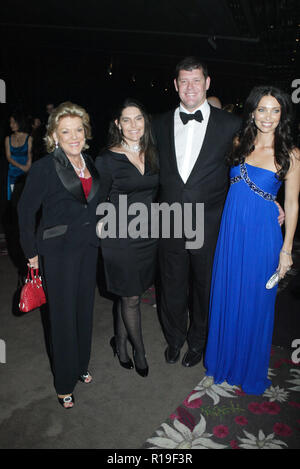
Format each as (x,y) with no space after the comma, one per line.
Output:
(65,184)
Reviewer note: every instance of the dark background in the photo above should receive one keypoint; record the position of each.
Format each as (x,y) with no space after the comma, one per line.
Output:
(58,50)
(96,52)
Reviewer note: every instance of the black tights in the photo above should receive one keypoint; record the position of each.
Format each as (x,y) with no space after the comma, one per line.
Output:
(129,327)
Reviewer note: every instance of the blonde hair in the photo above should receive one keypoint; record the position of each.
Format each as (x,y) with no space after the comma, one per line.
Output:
(66,109)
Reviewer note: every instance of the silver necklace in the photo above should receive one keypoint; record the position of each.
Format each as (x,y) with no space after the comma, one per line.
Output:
(80,170)
(135,147)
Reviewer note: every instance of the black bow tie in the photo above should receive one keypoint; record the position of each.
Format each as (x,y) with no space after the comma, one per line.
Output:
(188,117)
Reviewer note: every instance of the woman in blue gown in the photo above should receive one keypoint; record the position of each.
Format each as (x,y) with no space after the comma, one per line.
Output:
(250,245)
(18,150)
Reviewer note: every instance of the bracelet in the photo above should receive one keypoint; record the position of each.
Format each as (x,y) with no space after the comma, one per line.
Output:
(286,252)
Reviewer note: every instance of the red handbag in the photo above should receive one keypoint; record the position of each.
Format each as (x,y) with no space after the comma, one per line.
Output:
(32,293)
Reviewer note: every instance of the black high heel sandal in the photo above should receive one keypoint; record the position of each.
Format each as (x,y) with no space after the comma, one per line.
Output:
(66,400)
(129,364)
(141,371)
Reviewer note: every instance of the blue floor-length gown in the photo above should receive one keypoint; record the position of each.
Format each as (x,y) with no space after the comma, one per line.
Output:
(241,308)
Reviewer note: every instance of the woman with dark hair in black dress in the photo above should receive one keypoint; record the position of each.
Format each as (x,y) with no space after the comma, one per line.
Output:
(128,170)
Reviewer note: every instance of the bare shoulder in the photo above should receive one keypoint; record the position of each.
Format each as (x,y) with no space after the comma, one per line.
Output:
(295,158)
(293,173)
(117,149)
(295,153)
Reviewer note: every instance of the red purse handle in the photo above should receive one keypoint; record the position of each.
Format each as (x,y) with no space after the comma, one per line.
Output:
(32,274)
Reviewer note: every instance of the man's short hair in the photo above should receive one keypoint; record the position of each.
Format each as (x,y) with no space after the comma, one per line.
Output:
(189,64)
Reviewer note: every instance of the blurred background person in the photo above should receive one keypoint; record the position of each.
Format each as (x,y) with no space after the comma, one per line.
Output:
(214,101)
(229,107)
(18,151)
(37,133)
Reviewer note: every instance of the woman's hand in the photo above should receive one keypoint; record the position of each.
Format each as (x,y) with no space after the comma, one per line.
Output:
(285,263)
(33,262)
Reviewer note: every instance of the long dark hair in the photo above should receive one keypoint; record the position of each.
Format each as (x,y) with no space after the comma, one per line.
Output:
(283,142)
(115,137)
(20,119)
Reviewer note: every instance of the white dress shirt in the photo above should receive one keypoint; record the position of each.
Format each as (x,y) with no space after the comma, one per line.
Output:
(189,139)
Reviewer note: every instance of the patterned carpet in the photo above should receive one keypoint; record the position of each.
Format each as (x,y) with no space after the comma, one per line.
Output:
(223,417)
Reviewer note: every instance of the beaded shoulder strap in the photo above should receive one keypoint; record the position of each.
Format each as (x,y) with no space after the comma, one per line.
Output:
(253,186)
(235,179)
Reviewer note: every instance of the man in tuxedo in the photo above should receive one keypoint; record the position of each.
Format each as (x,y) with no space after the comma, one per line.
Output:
(192,142)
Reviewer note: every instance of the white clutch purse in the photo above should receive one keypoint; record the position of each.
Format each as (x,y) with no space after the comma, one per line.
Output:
(273,280)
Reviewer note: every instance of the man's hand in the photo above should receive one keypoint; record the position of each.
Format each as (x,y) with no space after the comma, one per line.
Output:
(281,216)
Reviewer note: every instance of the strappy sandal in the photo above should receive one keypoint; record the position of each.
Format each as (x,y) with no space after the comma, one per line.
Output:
(86,378)
(66,400)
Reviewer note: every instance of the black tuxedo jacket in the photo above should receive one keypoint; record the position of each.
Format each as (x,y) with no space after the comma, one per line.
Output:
(67,218)
(209,178)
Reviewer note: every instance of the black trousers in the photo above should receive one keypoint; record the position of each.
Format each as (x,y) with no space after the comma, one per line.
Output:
(185,277)
(70,280)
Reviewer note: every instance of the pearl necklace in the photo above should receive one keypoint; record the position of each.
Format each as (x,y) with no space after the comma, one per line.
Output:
(135,148)
(80,170)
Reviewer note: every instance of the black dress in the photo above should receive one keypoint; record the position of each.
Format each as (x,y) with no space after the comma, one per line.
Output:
(129,263)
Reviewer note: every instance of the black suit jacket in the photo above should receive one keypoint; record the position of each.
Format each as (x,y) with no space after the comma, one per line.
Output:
(209,178)
(68,219)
